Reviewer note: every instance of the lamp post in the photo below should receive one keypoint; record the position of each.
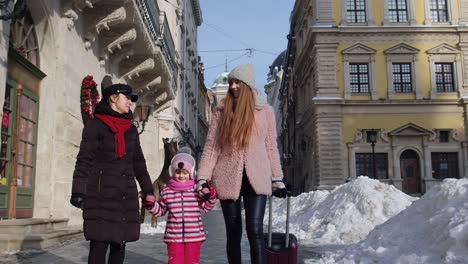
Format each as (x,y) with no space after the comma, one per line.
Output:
(373,139)
(143,112)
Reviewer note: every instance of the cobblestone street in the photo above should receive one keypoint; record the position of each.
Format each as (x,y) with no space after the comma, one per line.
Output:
(149,249)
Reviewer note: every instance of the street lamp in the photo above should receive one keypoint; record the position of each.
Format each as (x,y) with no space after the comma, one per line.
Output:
(143,112)
(372,136)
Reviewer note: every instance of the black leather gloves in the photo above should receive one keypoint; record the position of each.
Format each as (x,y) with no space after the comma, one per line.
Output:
(279,189)
(77,200)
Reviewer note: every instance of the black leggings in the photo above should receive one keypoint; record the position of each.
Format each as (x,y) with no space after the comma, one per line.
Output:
(98,251)
(254,206)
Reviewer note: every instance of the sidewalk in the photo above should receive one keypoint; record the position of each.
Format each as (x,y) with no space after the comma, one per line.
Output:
(149,249)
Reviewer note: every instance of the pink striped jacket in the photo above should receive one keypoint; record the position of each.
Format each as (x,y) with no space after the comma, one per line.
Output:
(184,222)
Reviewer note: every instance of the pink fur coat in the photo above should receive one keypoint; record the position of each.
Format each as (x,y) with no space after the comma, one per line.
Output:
(224,166)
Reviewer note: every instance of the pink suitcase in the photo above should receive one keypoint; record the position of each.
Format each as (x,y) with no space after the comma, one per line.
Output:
(281,248)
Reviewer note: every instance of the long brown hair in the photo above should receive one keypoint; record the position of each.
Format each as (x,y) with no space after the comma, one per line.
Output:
(238,118)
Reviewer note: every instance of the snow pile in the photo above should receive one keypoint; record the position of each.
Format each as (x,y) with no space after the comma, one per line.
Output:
(342,216)
(432,230)
(146,228)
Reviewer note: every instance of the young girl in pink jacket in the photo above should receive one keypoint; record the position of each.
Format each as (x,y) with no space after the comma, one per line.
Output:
(241,159)
(184,228)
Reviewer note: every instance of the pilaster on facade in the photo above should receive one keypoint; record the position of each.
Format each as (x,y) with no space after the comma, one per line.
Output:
(464,54)
(463,11)
(324,61)
(323,12)
(329,148)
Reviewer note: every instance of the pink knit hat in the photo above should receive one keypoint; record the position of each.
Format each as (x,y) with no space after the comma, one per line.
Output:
(182,161)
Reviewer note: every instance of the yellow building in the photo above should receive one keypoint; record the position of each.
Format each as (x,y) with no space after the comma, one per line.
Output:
(377,88)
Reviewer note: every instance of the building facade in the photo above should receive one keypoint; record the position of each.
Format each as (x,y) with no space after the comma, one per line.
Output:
(47,49)
(376,88)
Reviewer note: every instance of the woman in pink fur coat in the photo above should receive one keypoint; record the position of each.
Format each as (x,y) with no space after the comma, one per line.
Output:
(241,158)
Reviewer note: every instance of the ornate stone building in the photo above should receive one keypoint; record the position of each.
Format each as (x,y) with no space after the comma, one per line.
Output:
(45,52)
(272,88)
(376,88)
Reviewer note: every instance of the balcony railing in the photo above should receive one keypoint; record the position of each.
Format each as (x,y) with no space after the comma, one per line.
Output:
(149,10)
(168,48)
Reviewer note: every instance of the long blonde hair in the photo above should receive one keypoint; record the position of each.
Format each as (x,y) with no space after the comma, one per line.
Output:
(238,118)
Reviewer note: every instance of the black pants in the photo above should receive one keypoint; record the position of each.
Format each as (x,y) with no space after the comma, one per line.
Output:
(254,206)
(98,251)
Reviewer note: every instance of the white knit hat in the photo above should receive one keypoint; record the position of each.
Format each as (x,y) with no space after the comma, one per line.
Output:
(244,73)
(182,161)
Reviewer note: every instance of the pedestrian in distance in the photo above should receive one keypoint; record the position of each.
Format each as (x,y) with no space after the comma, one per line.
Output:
(241,158)
(104,187)
(184,233)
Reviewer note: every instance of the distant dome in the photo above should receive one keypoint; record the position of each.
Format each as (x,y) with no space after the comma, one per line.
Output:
(221,80)
(278,62)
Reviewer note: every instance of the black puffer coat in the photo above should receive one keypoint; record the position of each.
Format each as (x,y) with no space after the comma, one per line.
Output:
(110,209)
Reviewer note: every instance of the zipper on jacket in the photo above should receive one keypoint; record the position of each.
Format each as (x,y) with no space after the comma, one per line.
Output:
(99,181)
(183,217)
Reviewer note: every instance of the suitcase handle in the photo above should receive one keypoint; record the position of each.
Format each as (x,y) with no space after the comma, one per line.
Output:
(270,215)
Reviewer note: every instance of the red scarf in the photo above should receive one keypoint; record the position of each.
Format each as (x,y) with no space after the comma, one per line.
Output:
(119,126)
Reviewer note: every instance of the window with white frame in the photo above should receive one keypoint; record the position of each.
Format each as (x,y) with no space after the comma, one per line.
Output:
(402,80)
(402,70)
(444,77)
(359,71)
(397,11)
(356,11)
(359,77)
(438,10)
(445,67)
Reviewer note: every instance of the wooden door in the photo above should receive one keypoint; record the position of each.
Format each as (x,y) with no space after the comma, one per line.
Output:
(410,172)
(26,141)
(8,119)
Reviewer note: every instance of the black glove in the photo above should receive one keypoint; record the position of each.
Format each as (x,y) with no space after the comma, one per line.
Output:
(279,189)
(77,200)
(203,189)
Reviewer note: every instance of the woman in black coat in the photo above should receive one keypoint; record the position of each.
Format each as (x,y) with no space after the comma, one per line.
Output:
(109,160)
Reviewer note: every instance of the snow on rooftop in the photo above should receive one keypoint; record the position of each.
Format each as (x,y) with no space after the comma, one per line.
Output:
(432,230)
(342,216)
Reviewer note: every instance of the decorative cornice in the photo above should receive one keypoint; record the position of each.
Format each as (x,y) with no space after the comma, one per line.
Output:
(443,49)
(401,49)
(359,49)
(146,65)
(123,39)
(118,16)
(148,86)
(82,4)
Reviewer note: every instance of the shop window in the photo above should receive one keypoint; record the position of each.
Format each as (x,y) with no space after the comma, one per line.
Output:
(444,165)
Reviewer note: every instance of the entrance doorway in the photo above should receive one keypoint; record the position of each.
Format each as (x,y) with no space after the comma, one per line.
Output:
(410,172)
(20,121)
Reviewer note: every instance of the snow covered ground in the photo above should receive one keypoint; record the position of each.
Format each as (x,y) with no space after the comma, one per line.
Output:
(433,230)
(342,216)
(366,221)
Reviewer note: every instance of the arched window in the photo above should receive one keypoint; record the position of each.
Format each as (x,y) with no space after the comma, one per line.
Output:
(23,38)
